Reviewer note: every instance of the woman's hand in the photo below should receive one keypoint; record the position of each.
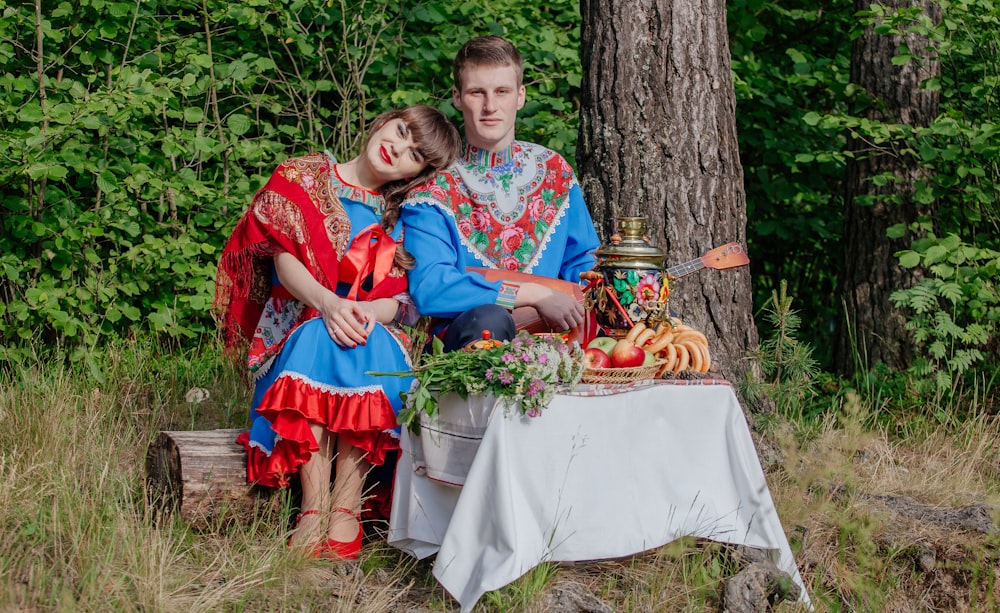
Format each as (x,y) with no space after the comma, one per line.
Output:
(347,322)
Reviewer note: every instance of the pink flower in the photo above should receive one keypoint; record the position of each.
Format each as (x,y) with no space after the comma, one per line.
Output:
(480,220)
(511,263)
(439,194)
(465,227)
(511,237)
(549,215)
(647,290)
(536,207)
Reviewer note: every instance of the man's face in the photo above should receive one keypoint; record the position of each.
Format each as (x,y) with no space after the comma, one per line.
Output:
(489,101)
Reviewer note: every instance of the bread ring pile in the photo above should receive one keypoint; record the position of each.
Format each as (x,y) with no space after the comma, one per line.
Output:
(683,347)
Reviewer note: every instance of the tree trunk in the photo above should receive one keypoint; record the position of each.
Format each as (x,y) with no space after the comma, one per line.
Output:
(872,330)
(658,138)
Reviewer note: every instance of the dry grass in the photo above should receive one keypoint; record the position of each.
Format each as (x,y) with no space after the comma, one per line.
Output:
(844,494)
(83,536)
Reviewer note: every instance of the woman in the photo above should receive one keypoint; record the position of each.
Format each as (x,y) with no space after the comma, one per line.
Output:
(312,282)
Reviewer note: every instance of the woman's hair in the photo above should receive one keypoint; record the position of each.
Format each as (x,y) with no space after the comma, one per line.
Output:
(487,51)
(438,141)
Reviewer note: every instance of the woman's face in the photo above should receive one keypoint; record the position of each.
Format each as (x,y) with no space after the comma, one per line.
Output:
(392,154)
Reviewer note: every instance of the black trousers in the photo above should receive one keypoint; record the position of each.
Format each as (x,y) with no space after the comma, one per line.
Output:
(468,327)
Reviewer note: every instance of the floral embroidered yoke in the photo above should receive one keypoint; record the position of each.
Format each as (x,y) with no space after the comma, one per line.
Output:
(520,209)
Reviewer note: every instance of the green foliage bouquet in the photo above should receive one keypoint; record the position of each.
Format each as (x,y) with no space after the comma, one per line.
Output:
(526,370)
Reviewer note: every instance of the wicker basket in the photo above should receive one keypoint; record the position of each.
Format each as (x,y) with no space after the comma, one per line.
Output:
(622,375)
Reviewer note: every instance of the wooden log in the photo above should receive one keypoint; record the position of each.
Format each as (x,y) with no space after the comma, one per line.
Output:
(203,474)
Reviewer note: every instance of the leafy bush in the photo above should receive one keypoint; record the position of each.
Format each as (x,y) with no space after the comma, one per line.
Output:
(134,142)
(791,63)
(955,312)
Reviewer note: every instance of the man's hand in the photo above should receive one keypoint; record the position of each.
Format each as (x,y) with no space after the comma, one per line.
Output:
(560,311)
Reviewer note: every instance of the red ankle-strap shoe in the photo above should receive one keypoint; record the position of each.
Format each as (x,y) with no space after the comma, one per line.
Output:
(343,550)
(298,518)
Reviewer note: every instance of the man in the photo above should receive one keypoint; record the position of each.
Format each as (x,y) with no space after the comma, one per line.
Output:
(505,204)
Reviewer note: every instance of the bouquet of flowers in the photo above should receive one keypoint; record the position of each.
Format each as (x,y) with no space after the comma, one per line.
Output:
(527,370)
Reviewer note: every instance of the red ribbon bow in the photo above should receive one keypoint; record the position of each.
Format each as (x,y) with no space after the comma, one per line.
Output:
(371,254)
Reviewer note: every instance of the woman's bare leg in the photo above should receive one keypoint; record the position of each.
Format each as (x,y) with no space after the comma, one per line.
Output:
(348,486)
(315,479)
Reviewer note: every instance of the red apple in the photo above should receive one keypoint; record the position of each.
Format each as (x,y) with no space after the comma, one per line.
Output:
(596,358)
(627,354)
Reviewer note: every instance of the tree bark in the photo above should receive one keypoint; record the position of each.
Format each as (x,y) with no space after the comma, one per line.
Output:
(872,330)
(658,138)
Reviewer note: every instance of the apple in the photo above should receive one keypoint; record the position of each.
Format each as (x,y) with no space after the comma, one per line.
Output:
(604,343)
(650,358)
(627,354)
(596,358)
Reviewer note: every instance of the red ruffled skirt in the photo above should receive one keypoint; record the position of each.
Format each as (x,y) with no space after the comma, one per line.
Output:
(314,381)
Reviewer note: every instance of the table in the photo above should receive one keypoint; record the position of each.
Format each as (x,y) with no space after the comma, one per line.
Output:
(598,475)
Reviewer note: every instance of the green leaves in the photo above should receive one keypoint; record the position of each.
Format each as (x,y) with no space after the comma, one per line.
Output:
(788,366)
(954,313)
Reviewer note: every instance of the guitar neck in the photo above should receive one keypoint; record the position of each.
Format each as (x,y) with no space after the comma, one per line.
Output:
(685,269)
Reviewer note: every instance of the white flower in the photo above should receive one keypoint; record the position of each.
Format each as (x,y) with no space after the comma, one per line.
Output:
(196,395)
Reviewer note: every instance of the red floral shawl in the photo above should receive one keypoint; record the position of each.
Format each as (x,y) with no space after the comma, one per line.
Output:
(299,211)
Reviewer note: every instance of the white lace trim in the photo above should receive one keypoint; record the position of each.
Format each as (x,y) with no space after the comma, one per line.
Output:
(402,349)
(547,238)
(263,449)
(346,391)
(263,369)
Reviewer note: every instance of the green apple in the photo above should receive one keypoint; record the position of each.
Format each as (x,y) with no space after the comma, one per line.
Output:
(604,343)
(650,358)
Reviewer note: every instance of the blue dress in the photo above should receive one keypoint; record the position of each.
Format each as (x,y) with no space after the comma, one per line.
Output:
(302,377)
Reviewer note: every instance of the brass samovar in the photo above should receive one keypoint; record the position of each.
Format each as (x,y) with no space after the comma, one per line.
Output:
(629,284)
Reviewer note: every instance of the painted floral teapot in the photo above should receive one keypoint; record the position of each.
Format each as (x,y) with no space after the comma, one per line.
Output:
(628,284)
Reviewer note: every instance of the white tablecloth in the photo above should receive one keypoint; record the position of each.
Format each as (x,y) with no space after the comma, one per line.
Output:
(593,477)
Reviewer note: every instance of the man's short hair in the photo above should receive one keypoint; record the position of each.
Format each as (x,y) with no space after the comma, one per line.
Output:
(487,51)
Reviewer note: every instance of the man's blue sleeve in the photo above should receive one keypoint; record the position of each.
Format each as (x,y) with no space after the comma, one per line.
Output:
(439,283)
(582,239)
